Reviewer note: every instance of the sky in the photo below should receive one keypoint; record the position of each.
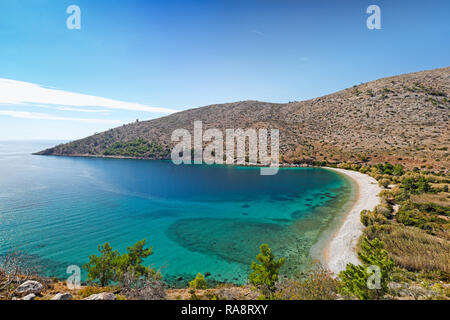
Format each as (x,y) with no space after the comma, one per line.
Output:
(145,59)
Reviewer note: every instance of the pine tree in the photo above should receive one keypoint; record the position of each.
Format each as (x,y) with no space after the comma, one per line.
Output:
(265,274)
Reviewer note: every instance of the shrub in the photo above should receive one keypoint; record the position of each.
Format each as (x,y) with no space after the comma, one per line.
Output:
(131,262)
(385,210)
(386,168)
(345,165)
(112,266)
(425,216)
(401,195)
(398,170)
(364,217)
(264,274)
(372,217)
(199,282)
(386,194)
(364,169)
(411,214)
(384,183)
(355,278)
(320,285)
(431,208)
(416,185)
(103,267)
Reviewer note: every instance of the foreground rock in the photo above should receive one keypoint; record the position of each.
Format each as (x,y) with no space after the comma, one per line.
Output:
(31,296)
(102,296)
(62,296)
(29,287)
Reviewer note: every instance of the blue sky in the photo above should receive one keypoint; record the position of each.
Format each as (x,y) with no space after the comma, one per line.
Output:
(175,55)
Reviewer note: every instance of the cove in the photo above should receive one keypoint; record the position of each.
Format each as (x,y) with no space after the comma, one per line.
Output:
(197,218)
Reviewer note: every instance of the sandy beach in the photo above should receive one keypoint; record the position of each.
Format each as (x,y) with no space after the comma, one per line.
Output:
(342,247)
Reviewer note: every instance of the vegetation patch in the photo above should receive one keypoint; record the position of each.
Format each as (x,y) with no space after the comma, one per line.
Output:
(138,148)
(424,216)
(411,248)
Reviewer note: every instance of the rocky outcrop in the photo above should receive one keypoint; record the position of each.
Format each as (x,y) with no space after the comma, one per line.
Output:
(31,296)
(62,296)
(29,287)
(102,296)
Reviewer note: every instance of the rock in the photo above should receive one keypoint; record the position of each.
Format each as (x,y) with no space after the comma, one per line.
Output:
(31,296)
(102,296)
(62,296)
(28,287)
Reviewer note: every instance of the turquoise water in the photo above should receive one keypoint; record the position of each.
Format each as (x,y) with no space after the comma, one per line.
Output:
(197,218)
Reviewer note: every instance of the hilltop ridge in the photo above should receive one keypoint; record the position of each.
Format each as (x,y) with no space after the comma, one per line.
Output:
(397,119)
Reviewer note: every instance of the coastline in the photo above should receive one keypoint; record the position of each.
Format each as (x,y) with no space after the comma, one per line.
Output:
(341,248)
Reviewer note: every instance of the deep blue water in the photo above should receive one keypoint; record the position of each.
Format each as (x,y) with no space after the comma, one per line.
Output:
(197,218)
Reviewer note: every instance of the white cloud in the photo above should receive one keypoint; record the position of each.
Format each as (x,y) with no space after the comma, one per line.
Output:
(71,109)
(80,110)
(14,92)
(44,116)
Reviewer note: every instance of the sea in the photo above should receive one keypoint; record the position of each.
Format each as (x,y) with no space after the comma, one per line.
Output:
(212,219)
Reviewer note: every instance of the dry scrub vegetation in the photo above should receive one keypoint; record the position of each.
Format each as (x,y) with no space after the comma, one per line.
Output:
(412,248)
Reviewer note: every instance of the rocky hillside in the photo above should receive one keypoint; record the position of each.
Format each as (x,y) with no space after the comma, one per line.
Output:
(398,119)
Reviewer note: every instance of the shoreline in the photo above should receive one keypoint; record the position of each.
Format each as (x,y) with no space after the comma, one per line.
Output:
(341,248)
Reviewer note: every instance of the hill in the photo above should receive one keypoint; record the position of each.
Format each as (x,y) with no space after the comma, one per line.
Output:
(401,119)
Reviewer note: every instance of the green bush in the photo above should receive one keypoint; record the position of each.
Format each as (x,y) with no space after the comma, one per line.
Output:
(103,267)
(132,262)
(264,274)
(398,170)
(414,185)
(111,266)
(355,278)
(401,196)
(199,282)
(386,168)
(431,208)
(423,215)
(369,218)
(385,210)
(384,183)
